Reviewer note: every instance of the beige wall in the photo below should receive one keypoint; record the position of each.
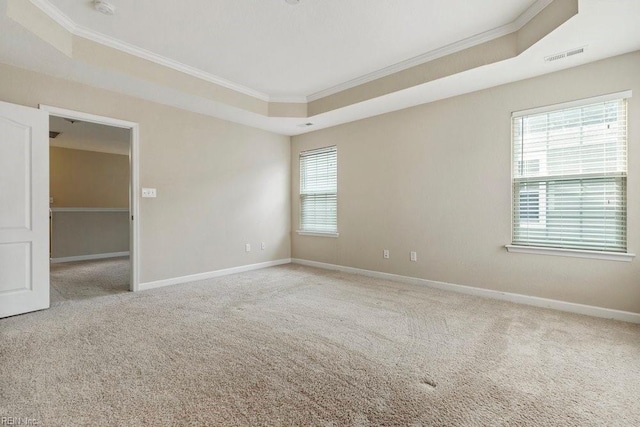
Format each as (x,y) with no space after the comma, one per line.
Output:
(89,233)
(88,179)
(220,185)
(81,178)
(436,179)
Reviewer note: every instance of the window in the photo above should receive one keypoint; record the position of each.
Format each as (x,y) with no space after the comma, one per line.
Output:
(570,176)
(319,191)
(529,206)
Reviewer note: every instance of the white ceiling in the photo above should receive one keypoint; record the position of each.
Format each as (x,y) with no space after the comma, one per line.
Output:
(86,136)
(606,27)
(286,50)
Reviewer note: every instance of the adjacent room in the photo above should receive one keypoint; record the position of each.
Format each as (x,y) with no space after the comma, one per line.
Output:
(320,213)
(89,187)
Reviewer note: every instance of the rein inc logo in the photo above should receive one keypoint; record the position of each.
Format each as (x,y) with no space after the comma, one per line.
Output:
(18,421)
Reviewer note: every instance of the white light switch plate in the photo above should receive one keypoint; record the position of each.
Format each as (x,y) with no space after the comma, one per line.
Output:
(148,192)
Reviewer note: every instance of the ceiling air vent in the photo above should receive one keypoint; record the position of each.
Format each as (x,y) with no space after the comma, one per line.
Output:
(53,135)
(567,54)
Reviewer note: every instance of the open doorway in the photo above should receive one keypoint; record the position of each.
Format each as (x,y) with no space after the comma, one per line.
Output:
(93,207)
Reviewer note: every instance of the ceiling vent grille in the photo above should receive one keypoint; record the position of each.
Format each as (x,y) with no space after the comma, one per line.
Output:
(564,55)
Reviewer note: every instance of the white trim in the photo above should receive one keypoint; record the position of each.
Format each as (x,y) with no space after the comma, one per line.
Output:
(575,253)
(588,310)
(211,274)
(167,62)
(134,159)
(89,209)
(89,257)
(432,55)
(80,31)
(86,117)
(318,233)
(530,13)
(134,230)
(289,99)
(55,14)
(571,104)
(58,16)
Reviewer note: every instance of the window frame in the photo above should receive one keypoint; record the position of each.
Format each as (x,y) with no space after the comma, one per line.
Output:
(551,250)
(315,232)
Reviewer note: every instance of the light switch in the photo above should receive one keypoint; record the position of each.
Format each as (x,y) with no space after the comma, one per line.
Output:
(148,192)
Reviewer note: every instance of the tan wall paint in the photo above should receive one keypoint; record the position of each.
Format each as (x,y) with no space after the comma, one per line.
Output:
(88,179)
(287,109)
(436,179)
(500,49)
(550,18)
(106,57)
(490,52)
(30,16)
(220,185)
(89,233)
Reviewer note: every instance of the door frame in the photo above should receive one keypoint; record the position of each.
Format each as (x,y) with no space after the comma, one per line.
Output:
(134,228)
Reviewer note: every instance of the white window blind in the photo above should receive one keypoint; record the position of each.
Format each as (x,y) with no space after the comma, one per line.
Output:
(319,190)
(570,177)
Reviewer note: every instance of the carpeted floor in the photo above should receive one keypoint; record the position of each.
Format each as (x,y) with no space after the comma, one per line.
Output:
(293,345)
(89,279)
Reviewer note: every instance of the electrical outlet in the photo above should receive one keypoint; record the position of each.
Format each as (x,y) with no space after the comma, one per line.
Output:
(385,254)
(148,192)
(247,247)
(414,256)
(262,246)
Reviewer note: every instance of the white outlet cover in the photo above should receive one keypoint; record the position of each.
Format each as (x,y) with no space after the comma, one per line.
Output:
(247,247)
(148,192)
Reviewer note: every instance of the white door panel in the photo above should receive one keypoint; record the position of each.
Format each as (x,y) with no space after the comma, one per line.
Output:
(24,209)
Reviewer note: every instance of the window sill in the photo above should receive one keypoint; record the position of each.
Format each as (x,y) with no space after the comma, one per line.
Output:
(318,233)
(576,253)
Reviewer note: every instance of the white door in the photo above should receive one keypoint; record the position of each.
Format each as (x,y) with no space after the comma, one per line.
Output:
(24,209)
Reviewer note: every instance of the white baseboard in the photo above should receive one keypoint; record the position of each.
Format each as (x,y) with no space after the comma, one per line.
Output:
(211,274)
(89,257)
(589,310)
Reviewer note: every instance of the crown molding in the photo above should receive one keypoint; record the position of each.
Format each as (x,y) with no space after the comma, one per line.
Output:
(54,13)
(289,99)
(531,13)
(164,61)
(59,17)
(432,55)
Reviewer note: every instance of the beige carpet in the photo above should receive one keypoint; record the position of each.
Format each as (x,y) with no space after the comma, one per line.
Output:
(89,279)
(293,345)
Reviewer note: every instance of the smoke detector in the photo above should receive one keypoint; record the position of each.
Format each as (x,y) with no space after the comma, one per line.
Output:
(104,6)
